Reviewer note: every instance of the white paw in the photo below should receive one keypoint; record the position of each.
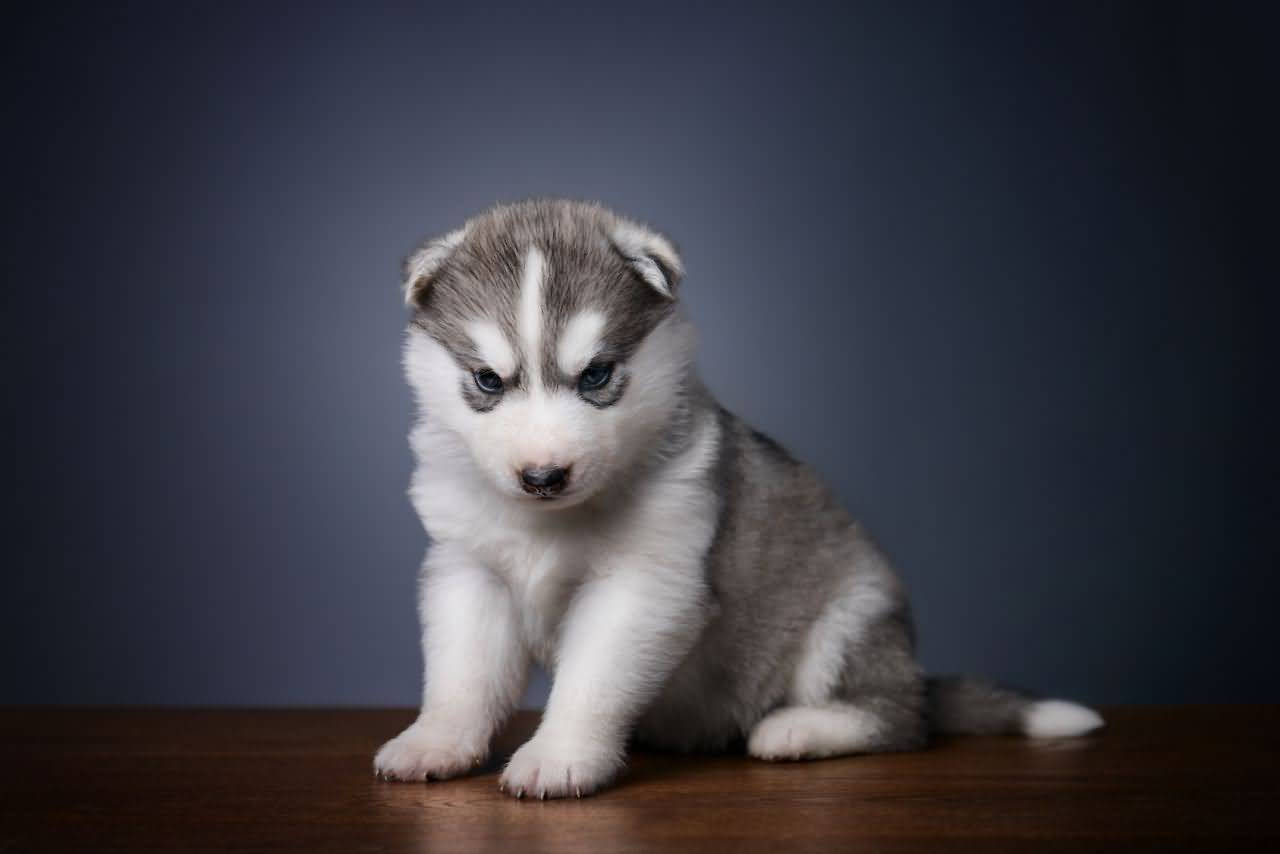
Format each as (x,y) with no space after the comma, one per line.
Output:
(425,752)
(803,732)
(777,737)
(559,768)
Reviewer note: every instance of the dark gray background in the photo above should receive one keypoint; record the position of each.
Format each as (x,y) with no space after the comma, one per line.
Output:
(996,269)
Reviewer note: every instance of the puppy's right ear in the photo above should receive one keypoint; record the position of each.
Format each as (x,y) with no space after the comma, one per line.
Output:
(421,267)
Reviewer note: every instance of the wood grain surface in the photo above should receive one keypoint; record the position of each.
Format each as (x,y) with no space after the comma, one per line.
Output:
(1158,778)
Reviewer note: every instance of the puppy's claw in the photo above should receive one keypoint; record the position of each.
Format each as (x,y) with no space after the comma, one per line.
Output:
(577,792)
(519,794)
(543,795)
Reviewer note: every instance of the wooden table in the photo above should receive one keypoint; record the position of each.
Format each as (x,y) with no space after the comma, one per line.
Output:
(1159,778)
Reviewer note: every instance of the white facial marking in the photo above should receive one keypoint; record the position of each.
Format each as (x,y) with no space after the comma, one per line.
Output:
(529,323)
(493,347)
(580,341)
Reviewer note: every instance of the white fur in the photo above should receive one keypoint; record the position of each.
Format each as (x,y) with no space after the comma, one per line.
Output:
(529,321)
(477,664)
(527,428)
(1059,719)
(811,732)
(493,348)
(603,589)
(628,626)
(580,342)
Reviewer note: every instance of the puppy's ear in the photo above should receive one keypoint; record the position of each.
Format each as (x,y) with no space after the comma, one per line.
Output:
(651,255)
(421,267)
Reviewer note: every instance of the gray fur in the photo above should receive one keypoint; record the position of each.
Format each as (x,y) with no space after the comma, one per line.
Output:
(783,546)
(961,704)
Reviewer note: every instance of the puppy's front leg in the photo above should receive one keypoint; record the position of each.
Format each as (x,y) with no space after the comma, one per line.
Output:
(476,667)
(623,635)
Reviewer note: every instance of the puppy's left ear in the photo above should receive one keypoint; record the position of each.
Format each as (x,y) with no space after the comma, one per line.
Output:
(421,267)
(651,255)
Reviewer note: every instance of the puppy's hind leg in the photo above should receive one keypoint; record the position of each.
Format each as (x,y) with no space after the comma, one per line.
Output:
(867,723)
(814,732)
(857,687)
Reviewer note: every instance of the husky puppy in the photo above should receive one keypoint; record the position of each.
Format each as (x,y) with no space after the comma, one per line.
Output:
(591,507)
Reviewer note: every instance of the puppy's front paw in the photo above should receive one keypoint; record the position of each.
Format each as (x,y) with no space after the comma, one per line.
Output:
(427,752)
(555,768)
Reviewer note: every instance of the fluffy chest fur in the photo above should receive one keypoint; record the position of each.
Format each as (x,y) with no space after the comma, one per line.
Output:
(665,521)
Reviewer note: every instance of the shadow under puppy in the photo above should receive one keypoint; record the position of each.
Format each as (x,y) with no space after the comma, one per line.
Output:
(593,508)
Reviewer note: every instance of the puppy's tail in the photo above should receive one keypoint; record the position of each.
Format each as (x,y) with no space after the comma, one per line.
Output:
(965,705)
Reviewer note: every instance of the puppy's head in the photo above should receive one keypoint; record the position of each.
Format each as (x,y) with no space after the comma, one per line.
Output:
(544,334)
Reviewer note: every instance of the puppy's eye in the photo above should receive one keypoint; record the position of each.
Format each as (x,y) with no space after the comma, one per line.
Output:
(595,376)
(488,382)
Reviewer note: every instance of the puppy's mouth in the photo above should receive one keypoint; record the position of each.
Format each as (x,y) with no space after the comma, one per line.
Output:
(544,495)
(552,500)
(553,503)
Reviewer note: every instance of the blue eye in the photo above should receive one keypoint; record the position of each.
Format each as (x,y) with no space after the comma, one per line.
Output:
(488,382)
(595,376)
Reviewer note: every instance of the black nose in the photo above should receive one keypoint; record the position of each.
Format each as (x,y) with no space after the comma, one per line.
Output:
(547,480)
